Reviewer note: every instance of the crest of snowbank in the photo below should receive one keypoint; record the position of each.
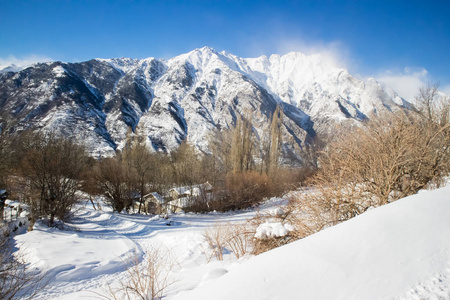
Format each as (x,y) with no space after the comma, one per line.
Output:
(399,251)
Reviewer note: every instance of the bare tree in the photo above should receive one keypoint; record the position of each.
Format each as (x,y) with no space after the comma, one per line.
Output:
(114,180)
(186,164)
(53,166)
(271,151)
(242,146)
(141,163)
(5,149)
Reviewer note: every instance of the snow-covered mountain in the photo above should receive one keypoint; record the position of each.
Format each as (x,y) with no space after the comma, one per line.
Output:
(187,96)
(11,68)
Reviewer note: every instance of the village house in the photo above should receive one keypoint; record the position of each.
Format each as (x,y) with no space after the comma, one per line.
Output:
(176,199)
(154,203)
(181,197)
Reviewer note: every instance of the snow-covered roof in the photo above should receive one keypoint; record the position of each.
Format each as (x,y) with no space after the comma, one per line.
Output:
(156,196)
(194,189)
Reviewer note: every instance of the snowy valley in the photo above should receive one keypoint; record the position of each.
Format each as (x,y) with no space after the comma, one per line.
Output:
(210,176)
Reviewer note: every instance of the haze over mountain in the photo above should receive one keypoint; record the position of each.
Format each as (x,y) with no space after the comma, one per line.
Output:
(188,96)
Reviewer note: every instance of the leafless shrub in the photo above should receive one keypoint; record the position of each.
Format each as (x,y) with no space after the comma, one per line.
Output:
(280,215)
(240,237)
(146,280)
(234,237)
(388,158)
(215,236)
(263,245)
(246,189)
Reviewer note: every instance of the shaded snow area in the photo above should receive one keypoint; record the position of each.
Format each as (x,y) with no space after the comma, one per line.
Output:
(398,251)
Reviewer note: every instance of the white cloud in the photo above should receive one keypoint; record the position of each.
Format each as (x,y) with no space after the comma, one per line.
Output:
(446,89)
(22,62)
(406,82)
(334,53)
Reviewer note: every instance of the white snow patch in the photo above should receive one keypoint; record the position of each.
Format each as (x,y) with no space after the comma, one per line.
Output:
(270,230)
(59,71)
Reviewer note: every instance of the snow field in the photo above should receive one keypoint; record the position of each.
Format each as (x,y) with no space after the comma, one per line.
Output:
(94,249)
(398,251)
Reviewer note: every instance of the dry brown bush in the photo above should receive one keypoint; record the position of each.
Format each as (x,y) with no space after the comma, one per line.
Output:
(239,241)
(246,189)
(388,158)
(281,215)
(215,236)
(146,280)
(234,237)
(263,245)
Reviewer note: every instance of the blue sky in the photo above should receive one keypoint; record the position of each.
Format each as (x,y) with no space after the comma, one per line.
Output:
(403,40)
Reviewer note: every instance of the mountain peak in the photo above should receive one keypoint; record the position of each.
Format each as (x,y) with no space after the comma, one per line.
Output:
(207,49)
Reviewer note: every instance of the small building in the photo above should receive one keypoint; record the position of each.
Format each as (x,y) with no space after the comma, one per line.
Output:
(182,197)
(190,191)
(177,205)
(154,203)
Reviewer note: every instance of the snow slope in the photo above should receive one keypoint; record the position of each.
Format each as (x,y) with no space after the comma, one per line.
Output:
(399,251)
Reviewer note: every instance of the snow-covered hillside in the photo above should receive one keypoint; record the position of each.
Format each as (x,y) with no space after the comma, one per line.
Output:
(187,96)
(398,251)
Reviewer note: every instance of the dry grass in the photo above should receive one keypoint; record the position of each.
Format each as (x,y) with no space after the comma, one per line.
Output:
(236,238)
(147,280)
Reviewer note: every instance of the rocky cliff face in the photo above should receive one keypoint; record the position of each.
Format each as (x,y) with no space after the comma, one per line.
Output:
(188,96)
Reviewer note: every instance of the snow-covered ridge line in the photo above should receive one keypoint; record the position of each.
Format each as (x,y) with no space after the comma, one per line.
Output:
(189,95)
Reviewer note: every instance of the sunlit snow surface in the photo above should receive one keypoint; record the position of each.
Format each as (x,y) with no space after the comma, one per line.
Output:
(95,246)
(398,251)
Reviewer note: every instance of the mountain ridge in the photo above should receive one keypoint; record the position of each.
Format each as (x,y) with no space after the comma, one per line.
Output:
(188,96)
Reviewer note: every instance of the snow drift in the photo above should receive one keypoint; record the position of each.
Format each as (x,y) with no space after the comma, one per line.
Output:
(398,251)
